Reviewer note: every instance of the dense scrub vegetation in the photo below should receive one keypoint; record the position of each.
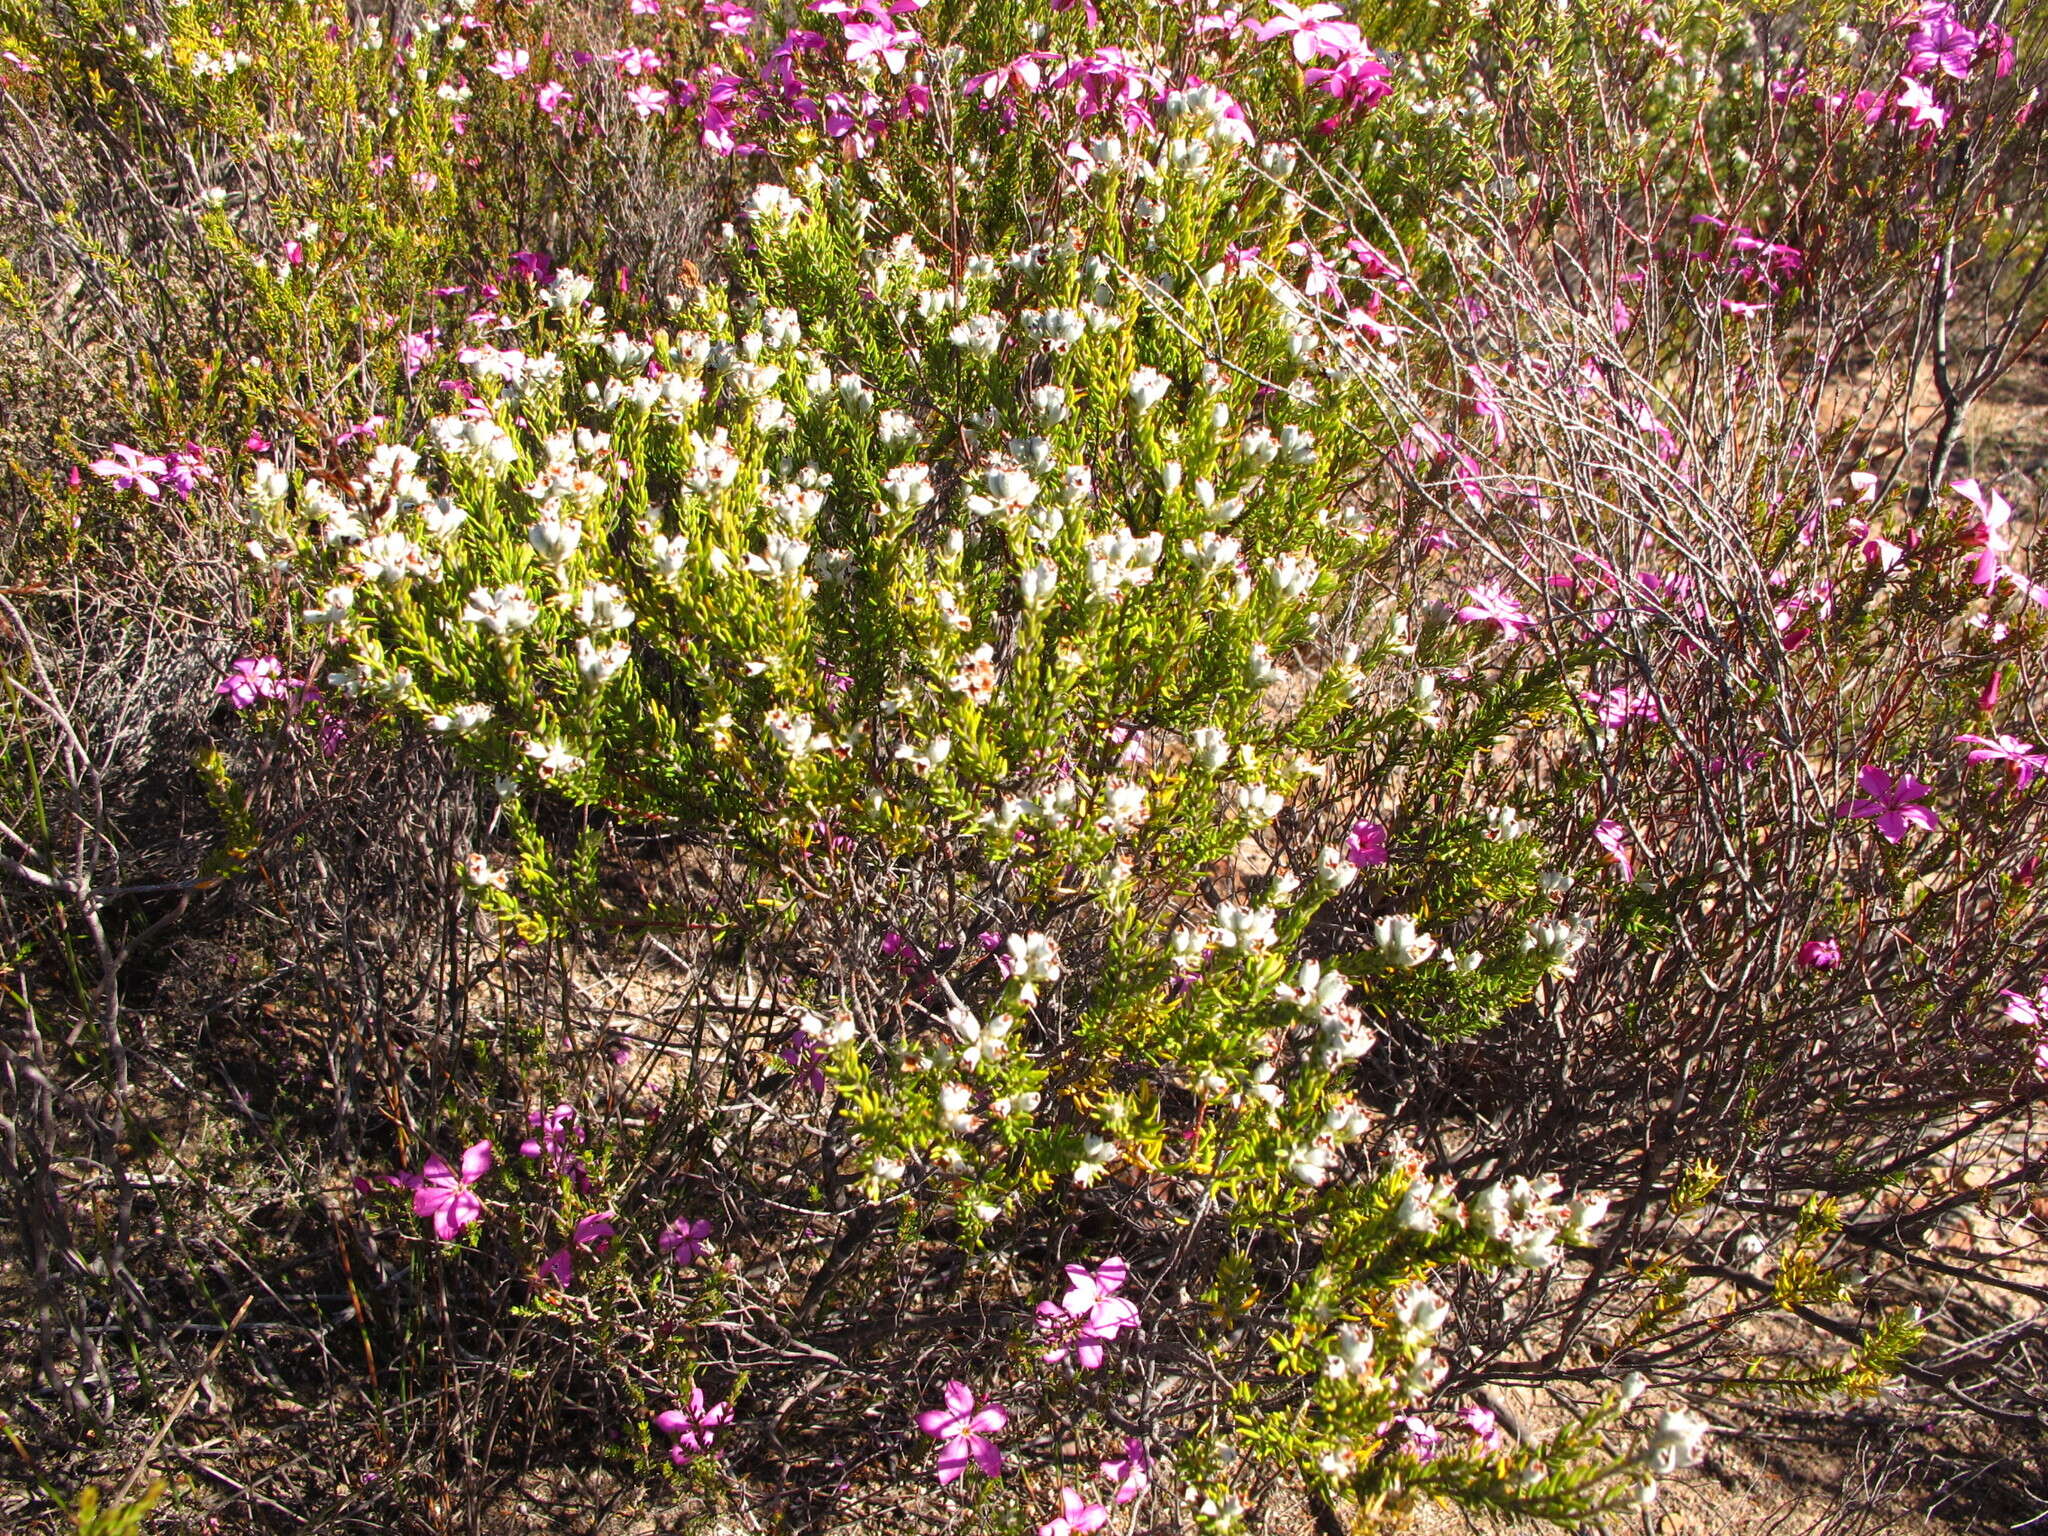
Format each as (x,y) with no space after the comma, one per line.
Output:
(1113,765)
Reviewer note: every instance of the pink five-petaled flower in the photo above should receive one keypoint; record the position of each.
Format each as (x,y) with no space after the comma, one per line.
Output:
(685,1240)
(1618,706)
(447,1194)
(2031,1012)
(552,97)
(963,1433)
(1493,604)
(879,40)
(510,63)
(1302,22)
(1889,802)
(130,470)
(254,679)
(1940,41)
(1366,844)
(1089,1316)
(646,100)
(1820,954)
(1131,1472)
(693,1427)
(1994,513)
(594,1231)
(1612,837)
(1919,106)
(2018,755)
(1077,1517)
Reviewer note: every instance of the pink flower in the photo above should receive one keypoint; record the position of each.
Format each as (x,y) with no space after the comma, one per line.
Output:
(962,1433)
(1492,604)
(1890,803)
(2031,1013)
(2023,1009)
(1941,42)
(558,1129)
(1618,706)
(1483,1427)
(685,1240)
(1919,106)
(255,679)
(879,40)
(1820,954)
(446,1194)
(1301,22)
(2018,755)
(416,347)
(1419,1438)
(552,97)
(1994,513)
(635,61)
(693,1427)
(130,471)
(1366,844)
(1874,547)
(1090,1315)
(1612,837)
(1077,1516)
(1132,1472)
(646,100)
(510,63)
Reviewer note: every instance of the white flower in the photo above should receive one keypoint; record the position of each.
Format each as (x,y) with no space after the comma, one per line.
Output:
(1056,330)
(1147,388)
(1260,802)
(1292,575)
(1421,1313)
(1120,559)
(954,1100)
(894,428)
(667,554)
(1296,445)
(1211,553)
(1334,872)
(976,677)
(1585,1213)
(336,604)
(461,720)
(600,664)
(1556,944)
(1211,748)
(1014,1104)
(1037,583)
(908,487)
(569,290)
(1123,809)
(441,517)
(796,734)
(601,608)
(1260,669)
(553,758)
(554,540)
(478,874)
(1030,958)
(503,612)
(1350,1353)
(1097,1153)
(983,1042)
(1677,1441)
(389,558)
(1246,928)
(889,1169)
(783,559)
(1398,942)
(770,207)
(1049,404)
(979,336)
